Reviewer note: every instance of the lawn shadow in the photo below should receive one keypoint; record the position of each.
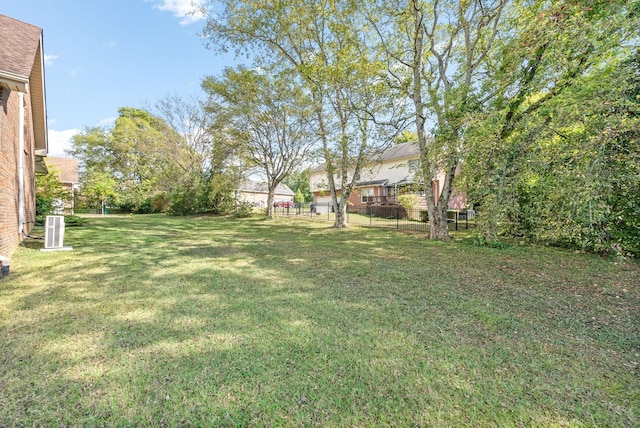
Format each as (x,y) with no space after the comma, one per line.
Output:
(158,320)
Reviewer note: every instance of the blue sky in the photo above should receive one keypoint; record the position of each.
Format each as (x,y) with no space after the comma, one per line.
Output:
(105,54)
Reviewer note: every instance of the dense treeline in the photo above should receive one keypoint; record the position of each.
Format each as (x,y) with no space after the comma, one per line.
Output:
(570,175)
(536,102)
(146,164)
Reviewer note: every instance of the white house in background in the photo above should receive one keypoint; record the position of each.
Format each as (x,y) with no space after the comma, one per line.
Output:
(391,174)
(256,193)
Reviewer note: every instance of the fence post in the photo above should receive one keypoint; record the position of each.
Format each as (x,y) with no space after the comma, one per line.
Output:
(397,218)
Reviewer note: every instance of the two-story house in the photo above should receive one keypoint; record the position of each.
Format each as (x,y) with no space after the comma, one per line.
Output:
(394,172)
(23,130)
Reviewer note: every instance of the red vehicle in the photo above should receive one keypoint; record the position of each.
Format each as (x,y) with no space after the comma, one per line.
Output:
(284,204)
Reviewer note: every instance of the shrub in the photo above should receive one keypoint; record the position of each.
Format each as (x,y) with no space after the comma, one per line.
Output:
(244,210)
(74,221)
(48,192)
(408,201)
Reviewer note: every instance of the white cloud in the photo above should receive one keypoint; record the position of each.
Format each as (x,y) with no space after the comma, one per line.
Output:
(110,44)
(186,10)
(109,121)
(48,59)
(59,141)
(74,73)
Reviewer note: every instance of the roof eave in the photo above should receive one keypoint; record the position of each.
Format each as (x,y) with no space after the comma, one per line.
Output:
(35,87)
(38,101)
(14,82)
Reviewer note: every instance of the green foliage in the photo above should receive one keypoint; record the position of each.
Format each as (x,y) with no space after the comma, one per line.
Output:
(135,202)
(146,164)
(98,188)
(243,210)
(188,198)
(298,181)
(44,207)
(571,176)
(408,201)
(48,192)
(298,198)
(553,158)
(202,195)
(74,221)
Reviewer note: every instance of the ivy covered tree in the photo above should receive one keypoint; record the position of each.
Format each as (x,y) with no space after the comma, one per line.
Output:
(545,155)
(571,176)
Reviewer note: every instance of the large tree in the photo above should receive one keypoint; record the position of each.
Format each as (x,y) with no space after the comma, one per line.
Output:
(436,54)
(192,138)
(138,152)
(207,160)
(269,116)
(327,43)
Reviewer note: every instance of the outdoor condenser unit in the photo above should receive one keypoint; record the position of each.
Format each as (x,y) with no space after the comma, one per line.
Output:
(54,233)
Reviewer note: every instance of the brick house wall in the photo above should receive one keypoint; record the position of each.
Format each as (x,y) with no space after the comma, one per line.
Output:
(22,119)
(9,165)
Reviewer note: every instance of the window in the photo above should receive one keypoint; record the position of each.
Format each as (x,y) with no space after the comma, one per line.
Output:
(367,194)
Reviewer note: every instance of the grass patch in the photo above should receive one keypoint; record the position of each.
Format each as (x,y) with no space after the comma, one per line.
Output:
(153,320)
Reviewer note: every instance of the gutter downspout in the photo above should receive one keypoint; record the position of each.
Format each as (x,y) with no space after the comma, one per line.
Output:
(5,266)
(21,167)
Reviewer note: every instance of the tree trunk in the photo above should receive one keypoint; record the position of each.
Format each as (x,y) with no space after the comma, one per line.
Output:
(341,216)
(438,224)
(270,198)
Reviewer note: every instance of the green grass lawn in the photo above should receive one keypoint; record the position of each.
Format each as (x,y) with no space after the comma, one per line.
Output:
(160,321)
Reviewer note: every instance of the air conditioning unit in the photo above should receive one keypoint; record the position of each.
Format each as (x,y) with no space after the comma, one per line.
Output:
(54,233)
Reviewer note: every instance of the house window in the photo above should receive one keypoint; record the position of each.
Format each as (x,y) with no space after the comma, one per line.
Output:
(367,194)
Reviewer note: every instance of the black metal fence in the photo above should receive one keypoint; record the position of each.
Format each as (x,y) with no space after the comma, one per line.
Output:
(382,216)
